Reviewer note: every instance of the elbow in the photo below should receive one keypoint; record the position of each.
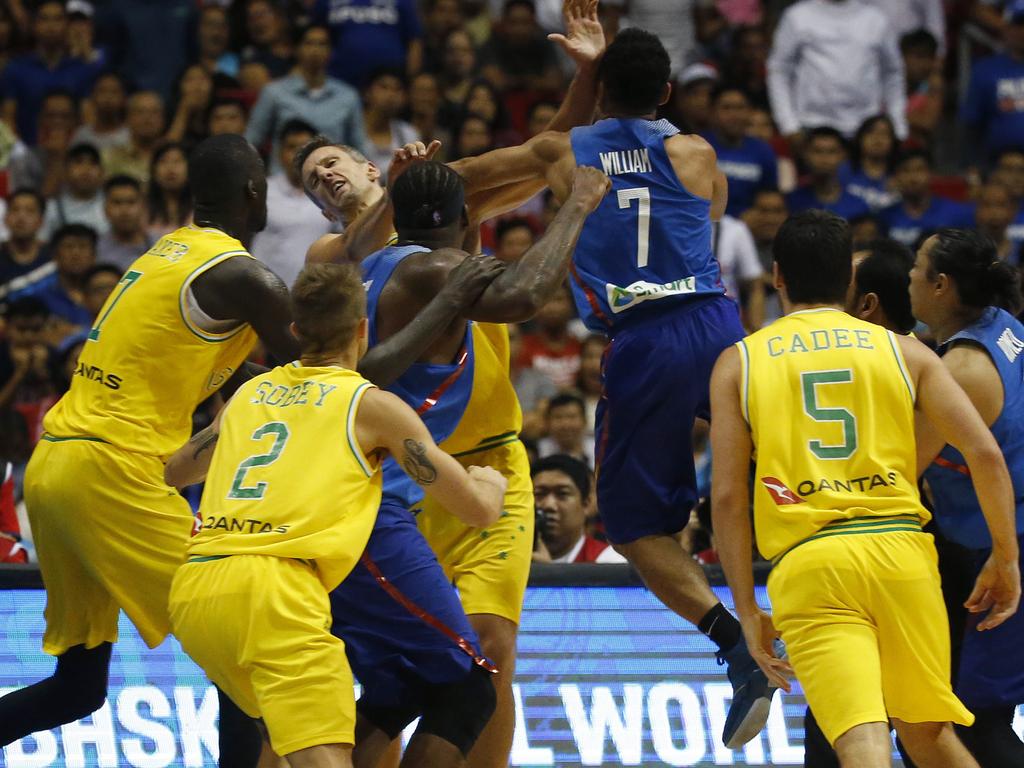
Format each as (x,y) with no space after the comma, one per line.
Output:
(173,475)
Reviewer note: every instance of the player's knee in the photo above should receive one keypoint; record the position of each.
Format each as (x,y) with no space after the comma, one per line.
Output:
(497,640)
(459,712)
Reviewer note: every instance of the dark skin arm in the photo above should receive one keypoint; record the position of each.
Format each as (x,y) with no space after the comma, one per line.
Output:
(244,289)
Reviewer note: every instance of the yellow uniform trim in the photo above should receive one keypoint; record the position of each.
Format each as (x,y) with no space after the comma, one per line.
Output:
(206,335)
(903,366)
(856,525)
(350,429)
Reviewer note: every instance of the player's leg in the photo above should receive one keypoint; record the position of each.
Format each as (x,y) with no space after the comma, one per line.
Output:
(992,740)
(934,745)
(239,737)
(818,753)
(866,746)
(498,642)
(322,756)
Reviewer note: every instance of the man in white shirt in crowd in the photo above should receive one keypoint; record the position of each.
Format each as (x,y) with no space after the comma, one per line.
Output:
(835,63)
(292,223)
(742,274)
(561,493)
(907,16)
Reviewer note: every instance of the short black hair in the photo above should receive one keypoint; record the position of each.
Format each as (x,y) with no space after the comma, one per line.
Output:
(566,398)
(507,225)
(858,137)
(529,4)
(99,269)
(998,155)
(572,467)
(27,192)
(62,93)
(27,306)
(226,101)
(920,40)
(913,153)
(634,71)
(429,195)
(83,150)
(769,191)
(219,168)
(74,230)
(885,272)
(299,34)
(972,261)
(825,132)
(294,127)
(723,88)
(814,253)
(387,71)
(121,180)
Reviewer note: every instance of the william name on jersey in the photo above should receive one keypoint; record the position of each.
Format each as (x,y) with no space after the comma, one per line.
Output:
(625,161)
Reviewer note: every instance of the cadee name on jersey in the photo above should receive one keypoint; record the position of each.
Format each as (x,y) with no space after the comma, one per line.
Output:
(820,340)
(626,161)
(282,397)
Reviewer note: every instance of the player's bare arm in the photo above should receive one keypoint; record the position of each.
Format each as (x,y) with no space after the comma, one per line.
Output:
(696,165)
(190,463)
(732,447)
(368,233)
(243,289)
(384,422)
(461,287)
(547,156)
(948,408)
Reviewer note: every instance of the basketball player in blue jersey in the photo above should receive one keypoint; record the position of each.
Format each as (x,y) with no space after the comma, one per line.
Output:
(643,273)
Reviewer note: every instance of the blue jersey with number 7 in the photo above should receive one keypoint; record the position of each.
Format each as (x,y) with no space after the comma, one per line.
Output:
(649,241)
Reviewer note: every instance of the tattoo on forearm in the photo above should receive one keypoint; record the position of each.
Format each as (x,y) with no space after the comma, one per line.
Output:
(416,463)
(204,441)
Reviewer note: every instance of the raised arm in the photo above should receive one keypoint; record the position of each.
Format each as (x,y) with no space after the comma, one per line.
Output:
(242,288)
(537,159)
(949,410)
(384,421)
(529,283)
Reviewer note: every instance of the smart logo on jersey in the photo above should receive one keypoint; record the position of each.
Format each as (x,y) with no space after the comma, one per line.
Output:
(621,299)
(780,492)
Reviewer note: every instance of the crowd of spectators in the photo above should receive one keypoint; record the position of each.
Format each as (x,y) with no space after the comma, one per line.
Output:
(850,105)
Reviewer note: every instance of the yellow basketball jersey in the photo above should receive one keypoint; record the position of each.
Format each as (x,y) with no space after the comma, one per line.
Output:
(493,416)
(288,478)
(148,362)
(830,405)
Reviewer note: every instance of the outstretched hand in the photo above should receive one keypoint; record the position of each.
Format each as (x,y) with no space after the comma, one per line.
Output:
(760,634)
(583,40)
(405,156)
(996,591)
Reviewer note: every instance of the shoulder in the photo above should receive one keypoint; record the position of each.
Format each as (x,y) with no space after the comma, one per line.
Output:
(425,272)
(550,144)
(694,148)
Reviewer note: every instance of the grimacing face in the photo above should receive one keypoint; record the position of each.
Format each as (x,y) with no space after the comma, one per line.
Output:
(336,180)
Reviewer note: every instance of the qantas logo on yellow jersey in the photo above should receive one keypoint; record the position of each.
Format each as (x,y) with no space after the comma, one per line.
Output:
(780,494)
(234,525)
(94,373)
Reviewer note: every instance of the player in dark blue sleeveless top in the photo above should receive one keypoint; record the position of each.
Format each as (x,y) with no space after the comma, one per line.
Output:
(644,274)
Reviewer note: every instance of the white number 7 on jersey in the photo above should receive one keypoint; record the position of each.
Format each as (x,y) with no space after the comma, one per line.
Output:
(643,224)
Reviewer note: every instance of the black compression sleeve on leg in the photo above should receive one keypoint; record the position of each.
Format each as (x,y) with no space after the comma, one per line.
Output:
(77,688)
(459,712)
(240,739)
(722,627)
(992,739)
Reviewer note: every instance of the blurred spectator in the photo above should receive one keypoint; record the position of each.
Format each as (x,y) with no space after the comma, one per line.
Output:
(513,237)
(920,211)
(824,153)
(105,117)
(270,42)
(539,117)
(308,94)
(763,220)
(484,100)
(11,550)
(458,64)
(763,127)
(424,104)
(213,38)
(992,14)
(81,200)
(169,197)
(145,129)
(906,16)
(8,35)
(926,87)
(127,238)
(29,78)
(477,17)
(97,284)
(74,252)
(994,107)
(473,136)
(748,163)
(561,492)
(384,100)
(567,429)
(1009,171)
(25,382)
(673,21)
(149,40)
(551,348)
(742,275)
(292,223)
(993,216)
(23,257)
(65,359)
(873,151)
(440,17)
(588,380)
(369,34)
(194,93)
(533,388)
(692,100)
(42,166)
(82,35)
(253,77)
(226,115)
(746,67)
(866,227)
(519,57)
(834,63)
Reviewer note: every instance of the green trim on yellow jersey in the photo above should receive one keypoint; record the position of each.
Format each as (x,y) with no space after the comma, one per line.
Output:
(745,365)
(350,429)
(903,366)
(213,338)
(858,525)
(56,439)
(488,443)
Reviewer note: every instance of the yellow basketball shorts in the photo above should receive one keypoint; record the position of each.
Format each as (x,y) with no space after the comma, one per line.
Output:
(489,566)
(260,627)
(109,534)
(866,630)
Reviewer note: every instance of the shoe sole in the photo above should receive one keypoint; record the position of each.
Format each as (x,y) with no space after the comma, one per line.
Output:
(752,724)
